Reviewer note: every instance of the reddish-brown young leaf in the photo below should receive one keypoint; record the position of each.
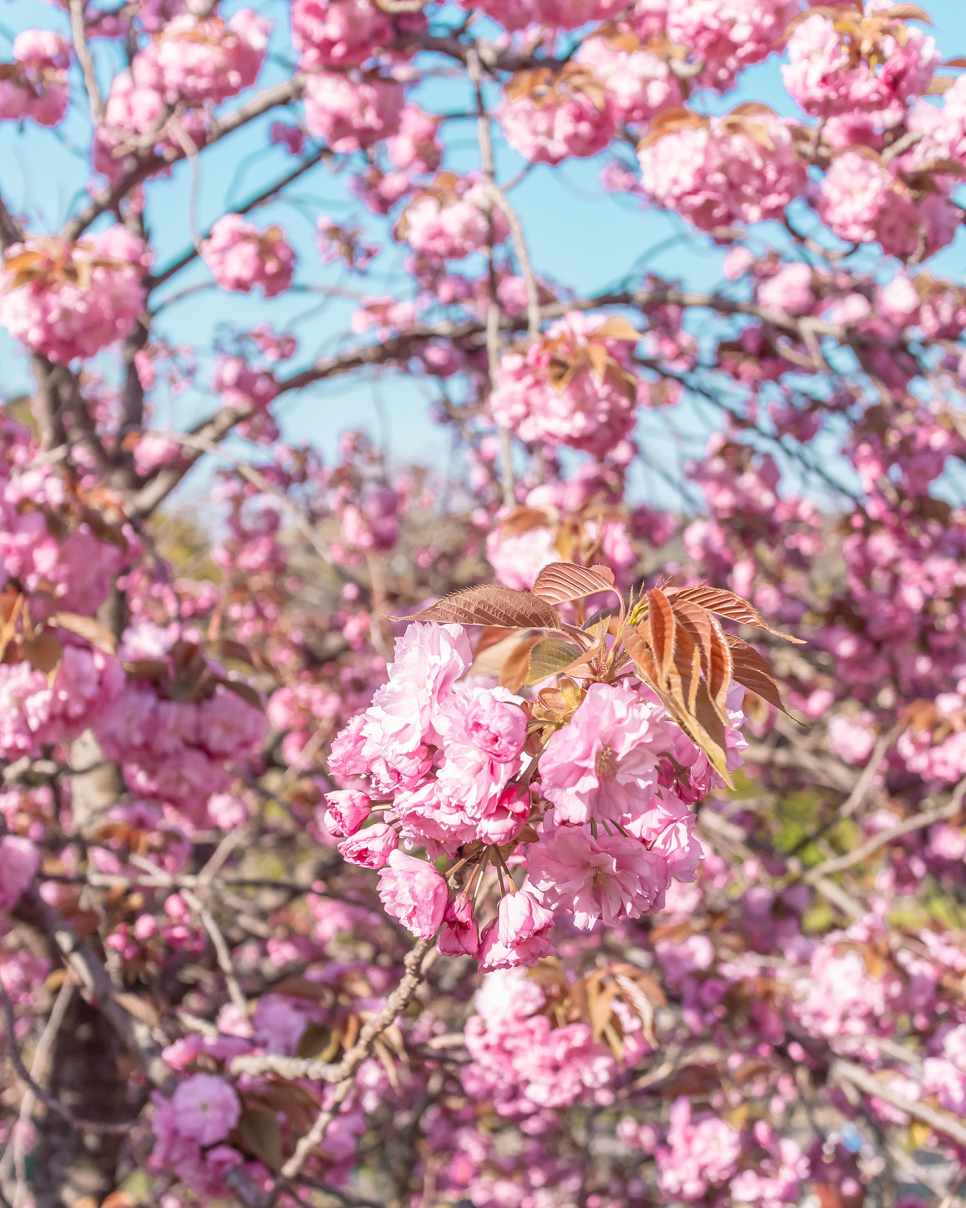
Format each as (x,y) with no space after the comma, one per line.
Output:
(686,671)
(491,605)
(727,604)
(662,632)
(563,581)
(492,635)
(522,520)
(641,653)
(85,627)
(720,671)
(753,671)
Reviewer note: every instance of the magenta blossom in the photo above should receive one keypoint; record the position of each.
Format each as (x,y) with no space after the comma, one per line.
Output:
(372,847)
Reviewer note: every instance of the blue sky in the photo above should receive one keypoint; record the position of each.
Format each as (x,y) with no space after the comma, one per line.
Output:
(578,236)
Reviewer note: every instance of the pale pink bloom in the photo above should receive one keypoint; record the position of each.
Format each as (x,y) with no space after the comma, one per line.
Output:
(590,413)
(517,558)
(778,1178)
(429,658)
(548,131)
(416,148)
(489,719)
(505,816)
(604,763)
(62,318)
(19,861)
(860,201)
(279,1021)
(609,877)
(25,705)
(37,87)
(413,892)
(448,225)
(824,79)
(495,953)
(699,1154)
(371,847)
(350,114)
(347,810)
(667,827)
(851,739)
(716,176)
(840,997)
(789,291)
(555,14)
(338,33)
(229,727)
(206,1108)
(197,59)
(241,257)
(727,35)
(639,83)
(899,301)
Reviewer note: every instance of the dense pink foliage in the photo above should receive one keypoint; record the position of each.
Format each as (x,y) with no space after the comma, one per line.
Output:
(464,830)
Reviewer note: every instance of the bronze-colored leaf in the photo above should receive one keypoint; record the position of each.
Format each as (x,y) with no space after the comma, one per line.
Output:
(561,582)
(550,657)
(42,652)
(85,627)
(492,635)
(753,671)
(318,1042)
(662,626)
(675,117)
(692,1079)
(302,987)
(614,328)
(959,62)
(523,520)
(491,605)
(262,1135)
(516,668)
(641,654)
(139,1008)
(685,673)
(939,86)
(906,12)
(708,731)
(727,604)
(491,661)
(248,694)
(147,669)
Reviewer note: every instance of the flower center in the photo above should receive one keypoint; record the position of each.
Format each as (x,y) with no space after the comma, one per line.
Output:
(605,764)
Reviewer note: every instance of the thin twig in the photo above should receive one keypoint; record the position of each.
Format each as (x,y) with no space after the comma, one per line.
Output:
(79,31)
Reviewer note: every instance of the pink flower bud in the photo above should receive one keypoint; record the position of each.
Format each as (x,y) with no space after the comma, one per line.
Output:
(347,811)
(459,934)
(506,816)
(372,847)
(522,918)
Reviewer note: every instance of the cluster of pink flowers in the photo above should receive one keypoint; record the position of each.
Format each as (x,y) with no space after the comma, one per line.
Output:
(337,33)
(352,111)
(35,85)
(823,76)
(720,171)
(551,118)
(452,218)
(728,36)
(520,1060)
(639,82)
(70,300)
(862,201)
(241,257)
(586,409)
(446,757)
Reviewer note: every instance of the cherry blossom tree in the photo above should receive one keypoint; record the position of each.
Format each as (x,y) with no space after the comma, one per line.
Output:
(495,834)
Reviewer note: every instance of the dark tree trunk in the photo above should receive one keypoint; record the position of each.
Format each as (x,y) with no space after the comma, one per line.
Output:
(80,1168)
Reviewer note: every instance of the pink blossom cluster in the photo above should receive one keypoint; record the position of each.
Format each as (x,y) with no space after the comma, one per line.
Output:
(446,758)
(556,118)
(822,74)
(451,219)
(728,36)
(722,171)
(242,258)
(337,33)
(593,410)
(639,82)
(35,84)
(69,300)
(352,111)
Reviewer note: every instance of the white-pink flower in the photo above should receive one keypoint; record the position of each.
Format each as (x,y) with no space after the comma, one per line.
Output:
(610,877)
(241,257)
(604,763)
(206,1108)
